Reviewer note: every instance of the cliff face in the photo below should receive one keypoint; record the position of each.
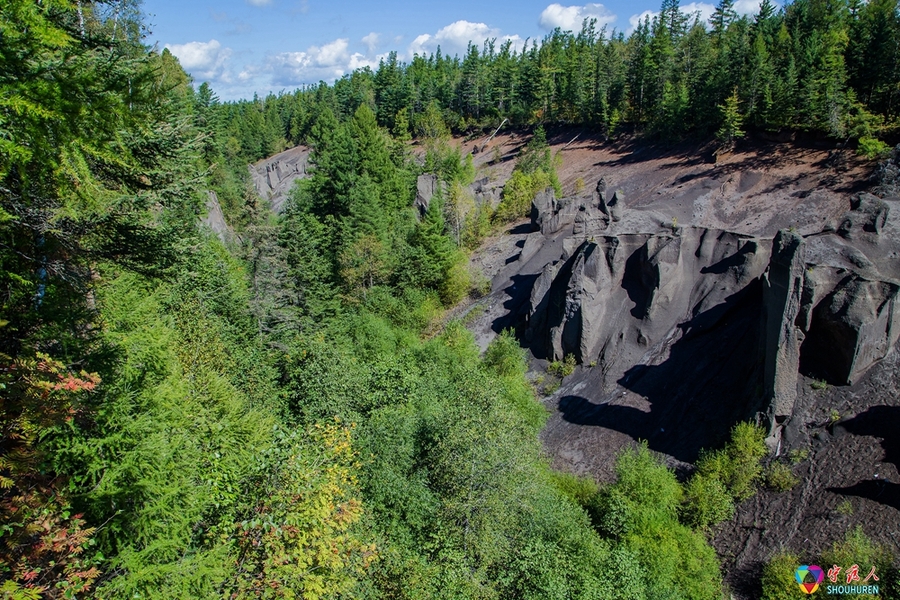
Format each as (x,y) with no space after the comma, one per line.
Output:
(274,177)
(707,320)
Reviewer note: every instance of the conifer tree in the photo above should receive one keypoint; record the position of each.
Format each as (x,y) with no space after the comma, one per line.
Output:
(732,120)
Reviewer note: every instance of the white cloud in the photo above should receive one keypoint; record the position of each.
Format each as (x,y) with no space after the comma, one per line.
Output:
(749,7)
(327,62)
(206,61)
(705,10)
(259,2)
(371,41)
(635,20)
(571,17)
(455,38)
(418,45)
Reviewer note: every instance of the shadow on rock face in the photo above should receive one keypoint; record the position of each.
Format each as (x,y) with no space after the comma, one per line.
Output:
(518,294)
(881,422)
(697,393)
(877,490)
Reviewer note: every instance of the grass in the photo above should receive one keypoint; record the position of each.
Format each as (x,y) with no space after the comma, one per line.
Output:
(834,417)
(798,455)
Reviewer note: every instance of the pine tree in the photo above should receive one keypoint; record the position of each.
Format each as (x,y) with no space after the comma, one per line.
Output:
(731,120)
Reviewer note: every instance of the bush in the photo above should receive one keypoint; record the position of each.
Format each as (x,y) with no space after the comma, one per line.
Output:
(737,465)
(480,285)
(707,502)
(562,368)
(457,281)
(505,356)
(581,490)
(872,148)
(780,478)
(641,509)
(518,193)
(778,581)
(857,549)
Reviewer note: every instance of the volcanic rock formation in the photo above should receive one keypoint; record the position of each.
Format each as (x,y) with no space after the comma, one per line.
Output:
(725,321)
(274,177)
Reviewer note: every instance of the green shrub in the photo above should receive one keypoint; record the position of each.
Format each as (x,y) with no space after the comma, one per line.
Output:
(641,509)
(581,490)
(562,368)
(798,455)
(857,549)
(844,508)
(505,356)
(518,193)
(819,384)
(457,282)
(737,465)
(780,478)
(872,148)
(707,502)
(481,285)
(778,581)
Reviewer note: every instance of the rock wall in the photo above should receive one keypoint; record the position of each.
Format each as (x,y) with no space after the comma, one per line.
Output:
(274,177)
(629,288)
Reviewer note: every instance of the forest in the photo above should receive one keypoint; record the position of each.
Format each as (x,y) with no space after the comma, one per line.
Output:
(290,415)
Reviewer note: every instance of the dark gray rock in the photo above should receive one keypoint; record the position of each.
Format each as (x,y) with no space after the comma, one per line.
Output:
(215,218)
(485,191)
(646,302)
(868,215)
(426,187)
(274,177)
(782,299)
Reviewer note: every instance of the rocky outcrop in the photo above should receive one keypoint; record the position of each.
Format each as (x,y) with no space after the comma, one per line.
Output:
(630,293)
(274,177)
(426,188)
(485,191)
(215,218)
(482,191)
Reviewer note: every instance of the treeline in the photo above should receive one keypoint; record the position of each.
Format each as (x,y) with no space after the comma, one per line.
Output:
(824,66)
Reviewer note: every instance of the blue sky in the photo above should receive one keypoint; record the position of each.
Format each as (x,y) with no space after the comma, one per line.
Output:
(247,46)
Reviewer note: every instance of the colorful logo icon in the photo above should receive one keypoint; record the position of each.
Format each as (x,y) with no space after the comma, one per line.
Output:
(809,577)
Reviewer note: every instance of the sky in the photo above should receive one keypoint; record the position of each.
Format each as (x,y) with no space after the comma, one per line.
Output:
(242,47)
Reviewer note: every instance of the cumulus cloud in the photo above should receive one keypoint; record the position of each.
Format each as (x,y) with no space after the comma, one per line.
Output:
(206,61)
(327,62)
(455,38)
(749,7)
(371,41)
(705,10)
(571,17)
(635,20)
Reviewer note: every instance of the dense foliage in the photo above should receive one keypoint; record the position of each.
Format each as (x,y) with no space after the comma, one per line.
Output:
(287,415)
